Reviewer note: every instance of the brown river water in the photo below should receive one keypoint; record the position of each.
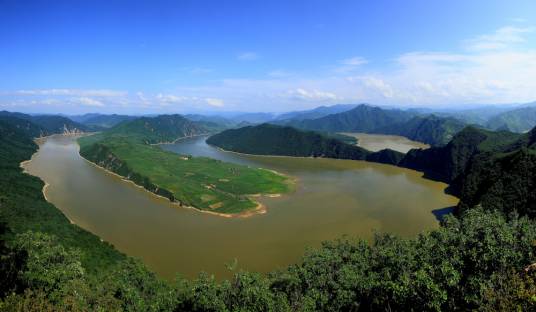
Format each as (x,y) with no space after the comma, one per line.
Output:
(333,198)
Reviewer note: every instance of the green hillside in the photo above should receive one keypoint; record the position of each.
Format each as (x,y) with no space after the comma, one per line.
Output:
(267,139)
(151,130)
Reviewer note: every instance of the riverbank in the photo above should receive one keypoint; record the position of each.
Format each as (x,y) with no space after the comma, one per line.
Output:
(212,185)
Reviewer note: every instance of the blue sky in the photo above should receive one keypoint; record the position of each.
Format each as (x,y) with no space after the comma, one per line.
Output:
(185,56)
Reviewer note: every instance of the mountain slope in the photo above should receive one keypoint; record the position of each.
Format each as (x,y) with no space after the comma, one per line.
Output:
(160,129)
(49,124)
(268,139)
(315,113)
(429,129)
(517,120)
(363,118)
(447,162)
(106,121)
(496,170)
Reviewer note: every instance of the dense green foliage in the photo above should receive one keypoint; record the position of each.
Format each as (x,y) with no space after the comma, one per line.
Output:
(517,120)
(23,207)
(493,169)
(363,118)
(429,129)
(268,139)
(199,182)
(477,261)
(44,125)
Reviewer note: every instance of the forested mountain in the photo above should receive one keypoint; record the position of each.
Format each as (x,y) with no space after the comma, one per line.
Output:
(314,113)
(163,128)
(253,118)
(517,120)
(430,129)
(363,118)
(494,169)
(268,139)
(24,125)
(101,120)
(49,124)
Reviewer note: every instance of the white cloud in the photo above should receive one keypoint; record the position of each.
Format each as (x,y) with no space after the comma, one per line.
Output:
(72,92)
(502,38)
(170,98)
(88,101)
(381,86)
(247,56)
(214,102)
(314,95)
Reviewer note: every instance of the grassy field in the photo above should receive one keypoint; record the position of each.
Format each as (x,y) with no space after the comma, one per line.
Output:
(200,182)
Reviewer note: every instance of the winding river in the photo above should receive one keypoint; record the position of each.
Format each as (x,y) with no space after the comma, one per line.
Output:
(333,198)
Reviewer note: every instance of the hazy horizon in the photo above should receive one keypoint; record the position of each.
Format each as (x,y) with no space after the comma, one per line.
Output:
(204,57)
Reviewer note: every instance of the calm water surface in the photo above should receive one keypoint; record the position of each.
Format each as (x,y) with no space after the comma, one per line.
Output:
(333,198)
(376,142)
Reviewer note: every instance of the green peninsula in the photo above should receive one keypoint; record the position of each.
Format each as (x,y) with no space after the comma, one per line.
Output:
(202,183)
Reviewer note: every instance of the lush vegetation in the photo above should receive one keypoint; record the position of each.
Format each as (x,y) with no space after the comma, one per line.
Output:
(494,169)
(199,182)
(23,207)
(268,139)
(479,260)
(429,129)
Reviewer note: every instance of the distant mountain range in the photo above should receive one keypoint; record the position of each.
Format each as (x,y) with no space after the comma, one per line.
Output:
(315,113)
(518,120)
(43,125)
(101,120)
(363,118)
(429,129)
(159,129)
